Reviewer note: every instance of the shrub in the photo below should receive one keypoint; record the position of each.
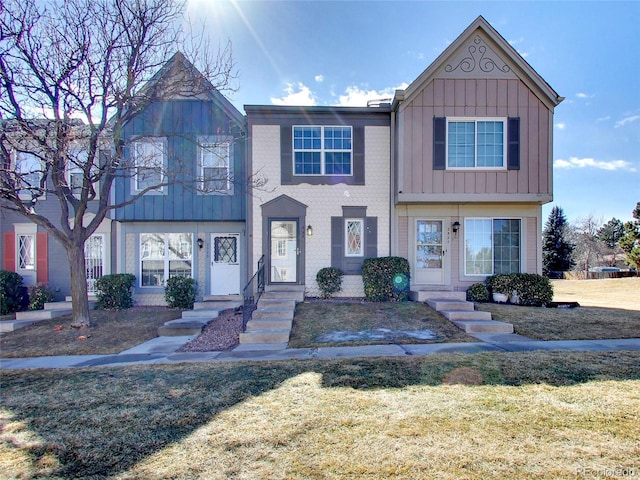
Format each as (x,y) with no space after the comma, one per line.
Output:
(180,292)
(329,281)
(386,279)
(501,283)
(114,291)
(39,294)
(531,289)
(12,293)
(478,292)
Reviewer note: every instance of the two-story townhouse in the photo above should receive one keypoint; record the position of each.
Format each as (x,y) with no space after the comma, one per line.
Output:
(29,249)
(193,225)
(472,163)
(327,197)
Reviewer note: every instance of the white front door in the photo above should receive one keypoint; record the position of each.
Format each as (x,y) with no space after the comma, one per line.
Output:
(429,252)
(94,261)
(284,251)
(225,264)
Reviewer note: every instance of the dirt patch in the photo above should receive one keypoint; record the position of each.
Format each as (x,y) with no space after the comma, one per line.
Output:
(379,334)
(463,376)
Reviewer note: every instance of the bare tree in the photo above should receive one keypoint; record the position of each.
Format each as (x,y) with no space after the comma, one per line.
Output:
(72,74)
(589,248)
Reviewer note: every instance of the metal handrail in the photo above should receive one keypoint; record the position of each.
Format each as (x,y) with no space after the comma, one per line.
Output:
(251,293)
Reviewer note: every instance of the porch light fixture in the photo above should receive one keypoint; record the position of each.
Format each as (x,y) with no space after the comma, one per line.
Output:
(455,226)
(309,231)
(200,243)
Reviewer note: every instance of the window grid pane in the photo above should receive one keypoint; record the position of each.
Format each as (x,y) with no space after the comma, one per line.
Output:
(26,252)
(322,150)
(215,158)
(475,144)
(354,237)
(478,247)
(149,161)
(163,256)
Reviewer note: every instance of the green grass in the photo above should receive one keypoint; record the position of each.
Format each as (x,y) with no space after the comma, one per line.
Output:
(313,319)
(111,332)
(536,415)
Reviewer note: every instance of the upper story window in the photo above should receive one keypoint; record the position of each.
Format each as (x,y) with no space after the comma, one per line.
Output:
(476,143)
(149,161)
(28,168)
(76,162)
(322,150)
(215,173)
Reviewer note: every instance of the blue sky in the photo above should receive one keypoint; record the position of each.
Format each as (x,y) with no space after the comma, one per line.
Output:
(343,53)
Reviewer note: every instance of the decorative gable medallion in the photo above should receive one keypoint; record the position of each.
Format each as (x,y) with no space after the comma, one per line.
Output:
(477,60)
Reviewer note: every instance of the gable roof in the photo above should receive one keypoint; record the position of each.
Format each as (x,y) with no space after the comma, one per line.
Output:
(518,65)
(193,85)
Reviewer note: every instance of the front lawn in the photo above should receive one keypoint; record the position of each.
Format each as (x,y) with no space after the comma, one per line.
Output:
(111,332)
(316,318)
(546,415)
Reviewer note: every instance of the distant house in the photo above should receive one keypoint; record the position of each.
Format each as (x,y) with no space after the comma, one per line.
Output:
(195,225)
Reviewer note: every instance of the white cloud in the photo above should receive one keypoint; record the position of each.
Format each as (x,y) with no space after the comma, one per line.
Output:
(603,119)
(575,162)
(626,120)
(561,126)
(319,78)
(584,95)
(356,97)
(296,94)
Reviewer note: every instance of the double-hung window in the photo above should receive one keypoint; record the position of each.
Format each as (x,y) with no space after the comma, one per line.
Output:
(214,167)
(165,255)
(29,171)
(492,246)
(474,143)
(149,160)
(76,162)
(322,150)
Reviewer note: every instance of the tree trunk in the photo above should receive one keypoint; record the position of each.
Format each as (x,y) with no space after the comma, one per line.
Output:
(79,299)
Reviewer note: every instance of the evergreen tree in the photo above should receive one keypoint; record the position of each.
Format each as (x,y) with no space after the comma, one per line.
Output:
(557,252)
(610,234)
(630,241)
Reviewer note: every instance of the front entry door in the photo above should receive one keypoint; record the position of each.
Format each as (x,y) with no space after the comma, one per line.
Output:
(429,252)
(285,251)
(225,264)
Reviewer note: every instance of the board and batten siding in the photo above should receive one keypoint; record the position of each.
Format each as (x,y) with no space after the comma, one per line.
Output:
(181,122)
(474,98)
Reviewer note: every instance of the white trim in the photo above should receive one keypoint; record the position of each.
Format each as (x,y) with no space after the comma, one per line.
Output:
(476,120)
(322,152)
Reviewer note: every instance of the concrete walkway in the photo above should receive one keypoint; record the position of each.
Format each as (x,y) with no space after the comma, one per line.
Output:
(162,350)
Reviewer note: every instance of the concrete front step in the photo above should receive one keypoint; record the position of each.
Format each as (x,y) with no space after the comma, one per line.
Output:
(444,304)
(222,298)
(466,315)
(200,313)
(279,303)
(424,295)
(297,296)
(266,336)
(217,305)
(43,314)
(11,325)
(269,312)
(66,305)
(284,287)
(176,329)
(483,326)
(269,323)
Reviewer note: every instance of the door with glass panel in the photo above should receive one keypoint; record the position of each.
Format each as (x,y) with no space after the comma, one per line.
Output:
(225,264)
(94,261)
(284,252)
(429,252)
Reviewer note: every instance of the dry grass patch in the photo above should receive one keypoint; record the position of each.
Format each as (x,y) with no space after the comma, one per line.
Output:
(609,308)
(375,418)
(111,332)
(315,318)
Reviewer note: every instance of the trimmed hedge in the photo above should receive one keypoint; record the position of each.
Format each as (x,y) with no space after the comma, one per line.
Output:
(478,292)
(386,279)
(180,292)
(527,289)
(329,280)
(114,291)
(12,293)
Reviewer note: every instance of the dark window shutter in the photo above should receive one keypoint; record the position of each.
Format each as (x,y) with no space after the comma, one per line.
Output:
(439,143)
(513,143)
(371,237)
(286,154)
(358,155)
(337,242)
